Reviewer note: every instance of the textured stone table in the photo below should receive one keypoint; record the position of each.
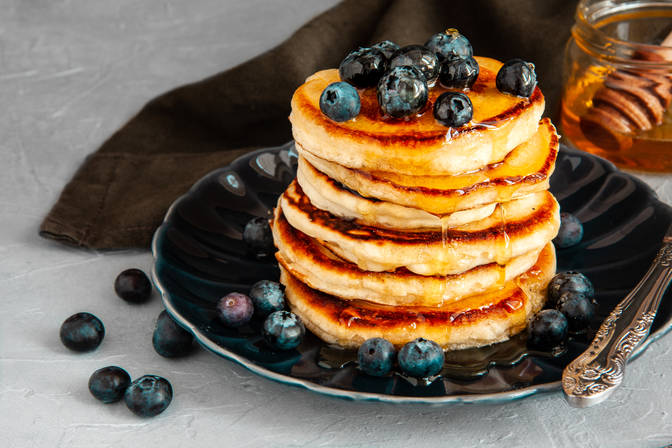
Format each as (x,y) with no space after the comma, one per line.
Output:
(71,72)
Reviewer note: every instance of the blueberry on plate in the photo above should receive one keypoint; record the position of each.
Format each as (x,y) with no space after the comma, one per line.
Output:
(458,73)
(402,92)
(340,101)
(517,77)
(363,67)
(419,57)
(449,45)
(267,296)
(387,47)
(453,109)
(570,232)
(577,308)
(235,309)
(421,358)
(82,332)
(258,237)
(169,339)
(376,356)
(109,384)
(548,329)
(148,396)
(133,286)
(569,281)
(283,330)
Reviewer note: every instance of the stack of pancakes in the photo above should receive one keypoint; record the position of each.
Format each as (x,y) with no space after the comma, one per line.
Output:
(405,228)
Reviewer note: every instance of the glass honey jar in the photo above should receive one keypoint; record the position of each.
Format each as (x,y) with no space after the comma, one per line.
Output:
(618,83)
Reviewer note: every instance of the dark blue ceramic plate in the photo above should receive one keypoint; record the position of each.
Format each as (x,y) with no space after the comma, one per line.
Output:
(200,256)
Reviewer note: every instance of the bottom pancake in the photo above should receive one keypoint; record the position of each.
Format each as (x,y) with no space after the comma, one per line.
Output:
(472,322)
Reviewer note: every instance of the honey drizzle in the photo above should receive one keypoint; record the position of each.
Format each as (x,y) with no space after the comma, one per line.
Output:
(503,249)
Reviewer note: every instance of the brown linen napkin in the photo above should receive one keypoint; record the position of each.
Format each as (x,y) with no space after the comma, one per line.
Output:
(119,195)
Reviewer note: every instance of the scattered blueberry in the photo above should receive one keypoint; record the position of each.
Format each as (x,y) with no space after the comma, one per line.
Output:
(267,297)
(283,330)
(419,57)
(109,384)
(402,92)
(548,329)
(569,281)
(363,67)
(449,45)
(235,309)
(517,77)
(133,286)
(258,237)
(458,73)
(421,358)
(340,101)
(82,332)
(376,356)
(169,339)
(148,396)
(570,232)
(577,308)
(386,47)
(453,109)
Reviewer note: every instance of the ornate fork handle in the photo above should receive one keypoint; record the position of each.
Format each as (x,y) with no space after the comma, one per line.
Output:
(591,377)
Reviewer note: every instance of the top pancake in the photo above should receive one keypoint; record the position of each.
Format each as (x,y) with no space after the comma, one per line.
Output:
(420,144)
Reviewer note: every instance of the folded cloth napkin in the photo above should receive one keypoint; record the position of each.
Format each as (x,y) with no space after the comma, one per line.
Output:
(121,192)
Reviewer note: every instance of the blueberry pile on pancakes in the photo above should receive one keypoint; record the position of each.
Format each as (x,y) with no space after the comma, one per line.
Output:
(421,204)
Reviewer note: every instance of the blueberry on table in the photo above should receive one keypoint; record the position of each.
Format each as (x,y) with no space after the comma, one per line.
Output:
(449,45)
(402,92)
(569,281)
(376,356)
(283,330)
(577,308)
(267,296)
(570,232)
(340,101)
(458,73)
(386,47)
(235,309)
(82,332)
(258,237)
(169,339)
(148,396)
(517,77)
(453,109)
(363,67)
(548,329)
(109,384)
(419,57)
(421,358)
(133,286)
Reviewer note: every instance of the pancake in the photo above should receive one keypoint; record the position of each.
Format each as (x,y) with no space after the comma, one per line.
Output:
(472,322)
(327,194)
(515,228)
(418,144)
(315,265)
(525,170)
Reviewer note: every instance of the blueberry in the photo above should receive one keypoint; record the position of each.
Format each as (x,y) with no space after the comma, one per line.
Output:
(109,384)
(235,309)
(387,47)
(133,286)
(453,109)
(376,356)
(570,232)
(258,237)
(340,101)
(283,330)
(149,395)
(457,73)
(548,329)
(169,339)
(82,332)
(421,358)
(577,308)
(267,296)
(569,281)
(517,77)
(449,45)
(402,92)
(363,67)
(419,57)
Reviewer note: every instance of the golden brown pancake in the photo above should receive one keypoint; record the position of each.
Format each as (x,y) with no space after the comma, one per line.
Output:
(420,144)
